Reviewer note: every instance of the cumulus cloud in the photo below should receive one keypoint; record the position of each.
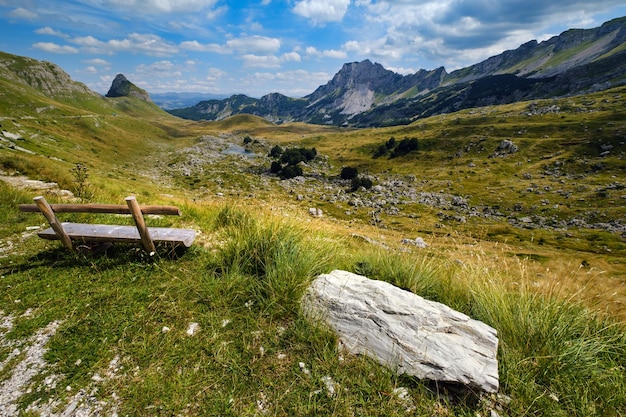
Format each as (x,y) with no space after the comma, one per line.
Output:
(291,57)
(215,74)
(322,11)
(49,31)
(461,32)
(147,44)
(260,61)
(209,47)
(21,13)
(159,69)
(329,53)
(297,83)
(254,44)
(97,62)
(55,48)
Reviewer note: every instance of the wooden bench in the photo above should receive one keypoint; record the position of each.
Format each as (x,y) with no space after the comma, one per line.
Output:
(68,233)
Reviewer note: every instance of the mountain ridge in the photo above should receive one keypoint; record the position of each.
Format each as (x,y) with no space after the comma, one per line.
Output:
(363,94)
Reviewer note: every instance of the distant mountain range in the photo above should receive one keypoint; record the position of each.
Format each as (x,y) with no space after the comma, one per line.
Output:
(365,94)
(173,100)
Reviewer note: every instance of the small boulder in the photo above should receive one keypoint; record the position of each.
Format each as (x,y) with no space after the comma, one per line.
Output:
(403,331)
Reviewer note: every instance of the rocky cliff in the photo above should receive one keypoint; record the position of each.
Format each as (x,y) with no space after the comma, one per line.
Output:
(121,87)
(43,76)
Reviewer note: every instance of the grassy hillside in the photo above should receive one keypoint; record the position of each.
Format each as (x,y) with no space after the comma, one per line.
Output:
(528,242)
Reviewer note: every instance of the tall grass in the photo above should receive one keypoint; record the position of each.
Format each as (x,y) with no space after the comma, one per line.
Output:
(279,258)
(556,356)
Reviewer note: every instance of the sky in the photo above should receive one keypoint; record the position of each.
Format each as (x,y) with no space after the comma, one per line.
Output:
(257,47)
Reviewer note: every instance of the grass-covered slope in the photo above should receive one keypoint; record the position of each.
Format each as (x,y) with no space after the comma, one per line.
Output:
(526,247)
(121,336)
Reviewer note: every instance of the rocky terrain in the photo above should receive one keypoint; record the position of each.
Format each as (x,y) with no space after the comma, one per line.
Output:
(206,163)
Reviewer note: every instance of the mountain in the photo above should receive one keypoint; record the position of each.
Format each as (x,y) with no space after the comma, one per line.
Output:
(42,76)
(121,87)
(365,94)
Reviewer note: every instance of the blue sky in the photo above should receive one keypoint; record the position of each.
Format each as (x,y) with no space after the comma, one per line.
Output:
(256,47)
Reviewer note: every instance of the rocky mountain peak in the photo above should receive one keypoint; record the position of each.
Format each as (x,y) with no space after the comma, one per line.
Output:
(121,87)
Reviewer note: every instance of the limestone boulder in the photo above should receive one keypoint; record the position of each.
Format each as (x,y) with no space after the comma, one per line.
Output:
(404,331)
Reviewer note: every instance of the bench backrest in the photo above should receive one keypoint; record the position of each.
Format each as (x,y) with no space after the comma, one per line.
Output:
(132,208)
(101,208)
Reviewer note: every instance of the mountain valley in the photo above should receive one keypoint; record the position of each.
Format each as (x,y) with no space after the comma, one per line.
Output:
(482,189)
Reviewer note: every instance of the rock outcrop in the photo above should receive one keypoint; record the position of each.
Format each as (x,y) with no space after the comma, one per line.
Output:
(405,332)
(43,76)
(121,87)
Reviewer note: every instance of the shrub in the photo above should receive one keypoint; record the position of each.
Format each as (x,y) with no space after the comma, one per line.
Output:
(348,173)
(276,167)
(364,182)
(276,151)
(294,156)
(290,171)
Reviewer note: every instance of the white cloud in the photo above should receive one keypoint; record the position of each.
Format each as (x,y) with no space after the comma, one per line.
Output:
(49,31)
(147,44)
(91,69)
(161,69)
(55,48)
(215,13)
(329,53)
(160,66)
(21,13)
(215,74)
(322,11)
(97,62)
(258,61)
(254,44)
(291,57)
(296,83)
(157,6)
(198,47)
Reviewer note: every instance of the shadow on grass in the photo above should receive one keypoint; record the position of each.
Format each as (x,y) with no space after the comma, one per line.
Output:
(106,257)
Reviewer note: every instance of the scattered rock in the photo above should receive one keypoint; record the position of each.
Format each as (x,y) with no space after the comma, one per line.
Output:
(316,212)
(417,242)
(193,329)
(506,147)
(403,331)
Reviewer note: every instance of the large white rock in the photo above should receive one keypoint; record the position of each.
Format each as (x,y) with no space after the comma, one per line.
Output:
(403,331)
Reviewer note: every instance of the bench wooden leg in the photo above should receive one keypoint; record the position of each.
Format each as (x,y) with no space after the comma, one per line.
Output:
(135,210)
(47,211)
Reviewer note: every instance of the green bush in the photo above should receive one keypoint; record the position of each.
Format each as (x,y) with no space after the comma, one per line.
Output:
(364,182)
(290,171)
(276,151)
(348,173)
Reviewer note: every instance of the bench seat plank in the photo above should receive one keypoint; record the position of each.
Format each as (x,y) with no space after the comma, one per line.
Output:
(104,232)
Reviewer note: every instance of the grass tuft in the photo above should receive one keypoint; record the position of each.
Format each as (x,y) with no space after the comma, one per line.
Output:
(277,259)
